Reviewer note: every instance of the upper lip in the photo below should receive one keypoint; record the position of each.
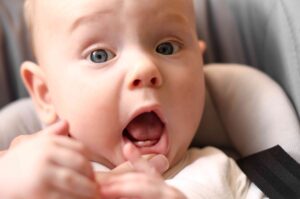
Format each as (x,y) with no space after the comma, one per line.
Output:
(155,108)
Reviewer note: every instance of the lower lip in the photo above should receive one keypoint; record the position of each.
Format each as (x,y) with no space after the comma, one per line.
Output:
(161,147)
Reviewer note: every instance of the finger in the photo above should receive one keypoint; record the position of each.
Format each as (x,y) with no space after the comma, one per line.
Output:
(59,128)
(72,183)
(62,128)
(59,194)
(160,163)
(132,154)
(75,161)
(72,144)
(124,185)
(19,139)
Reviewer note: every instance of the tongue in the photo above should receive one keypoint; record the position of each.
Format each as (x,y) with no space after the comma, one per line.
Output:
(146,126)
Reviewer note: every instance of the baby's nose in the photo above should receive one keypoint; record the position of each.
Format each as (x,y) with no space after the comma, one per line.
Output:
(139,82)
(145,74)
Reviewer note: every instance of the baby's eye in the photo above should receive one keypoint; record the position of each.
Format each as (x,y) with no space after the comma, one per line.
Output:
(101,56)
(167,48)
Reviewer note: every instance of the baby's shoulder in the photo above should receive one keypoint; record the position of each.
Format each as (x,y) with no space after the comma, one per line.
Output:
(209,160)
(210,172)
(207,154)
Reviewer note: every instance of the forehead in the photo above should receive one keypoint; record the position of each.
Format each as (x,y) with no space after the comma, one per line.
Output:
(70,10)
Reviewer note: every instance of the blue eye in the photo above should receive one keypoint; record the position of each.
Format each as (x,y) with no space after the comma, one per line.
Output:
(167,48)
(101,56)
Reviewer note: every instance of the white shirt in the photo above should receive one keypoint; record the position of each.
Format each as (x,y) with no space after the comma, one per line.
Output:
(209,173)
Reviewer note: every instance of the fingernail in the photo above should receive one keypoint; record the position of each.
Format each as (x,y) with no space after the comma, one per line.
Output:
(160,163)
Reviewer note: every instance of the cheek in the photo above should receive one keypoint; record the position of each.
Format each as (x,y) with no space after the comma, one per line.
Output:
(187,107)
(187,103)
(188,94)
(191,103)
(88,104)
(92,115)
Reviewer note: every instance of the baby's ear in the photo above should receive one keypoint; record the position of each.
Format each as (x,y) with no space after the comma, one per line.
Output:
(34,79)
(202,46)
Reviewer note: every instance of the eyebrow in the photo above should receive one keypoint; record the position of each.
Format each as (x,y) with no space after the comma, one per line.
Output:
(88,18)
(175,17)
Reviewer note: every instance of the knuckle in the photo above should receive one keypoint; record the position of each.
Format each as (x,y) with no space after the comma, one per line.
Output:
(80,162)
(81,148)
(46,155)
(18,140)
(147,179)
(141,177)
(68,178)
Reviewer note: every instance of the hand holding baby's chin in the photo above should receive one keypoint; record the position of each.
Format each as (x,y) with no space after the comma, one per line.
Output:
(43,169)
(140,177)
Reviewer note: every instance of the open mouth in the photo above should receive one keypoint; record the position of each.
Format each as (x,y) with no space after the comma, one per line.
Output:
(146,132)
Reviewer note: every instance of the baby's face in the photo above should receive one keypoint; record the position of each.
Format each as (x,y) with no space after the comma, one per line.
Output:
(122,71)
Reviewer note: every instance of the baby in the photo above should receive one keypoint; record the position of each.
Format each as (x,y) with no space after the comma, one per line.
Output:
(114,81)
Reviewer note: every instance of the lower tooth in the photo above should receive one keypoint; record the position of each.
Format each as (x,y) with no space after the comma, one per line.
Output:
(145,143)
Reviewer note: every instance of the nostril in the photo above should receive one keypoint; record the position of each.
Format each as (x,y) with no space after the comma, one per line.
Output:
(153,81)
(136,82)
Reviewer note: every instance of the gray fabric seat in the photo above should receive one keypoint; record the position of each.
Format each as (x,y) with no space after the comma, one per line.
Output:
(245,110)
(14,48)
(263,34)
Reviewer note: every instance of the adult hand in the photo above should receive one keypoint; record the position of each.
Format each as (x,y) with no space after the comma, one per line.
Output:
(47,165)
(143,181)
(17,140)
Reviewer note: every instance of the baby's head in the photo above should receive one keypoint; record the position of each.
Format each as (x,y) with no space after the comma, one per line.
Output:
(118,71)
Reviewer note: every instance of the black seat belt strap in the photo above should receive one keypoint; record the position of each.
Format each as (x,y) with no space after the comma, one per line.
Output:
(273,171)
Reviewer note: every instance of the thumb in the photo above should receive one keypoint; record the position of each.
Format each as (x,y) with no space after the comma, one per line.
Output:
(160,163)
(59,128)
(156,163)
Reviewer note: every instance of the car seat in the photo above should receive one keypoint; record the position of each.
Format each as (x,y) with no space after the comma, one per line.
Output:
(253,94)
(264,35)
